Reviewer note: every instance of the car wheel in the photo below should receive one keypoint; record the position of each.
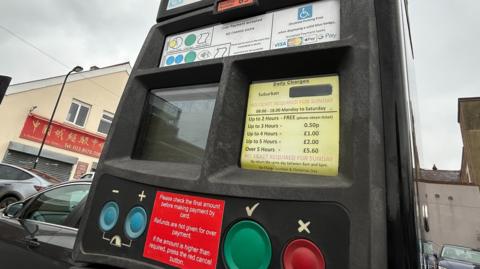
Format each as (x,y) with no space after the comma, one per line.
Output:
(7,200)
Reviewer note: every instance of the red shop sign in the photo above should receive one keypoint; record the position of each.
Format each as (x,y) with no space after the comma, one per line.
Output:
(184,231)
(62,136)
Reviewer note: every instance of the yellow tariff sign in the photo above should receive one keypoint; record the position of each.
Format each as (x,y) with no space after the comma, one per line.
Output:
(293,126)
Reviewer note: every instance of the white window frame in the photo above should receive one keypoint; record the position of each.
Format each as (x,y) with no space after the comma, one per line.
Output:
(102,119)
(80,104)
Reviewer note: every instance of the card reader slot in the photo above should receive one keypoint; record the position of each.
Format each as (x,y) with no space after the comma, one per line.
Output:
(311,90)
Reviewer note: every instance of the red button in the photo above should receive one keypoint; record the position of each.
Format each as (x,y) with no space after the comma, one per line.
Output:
(303,254)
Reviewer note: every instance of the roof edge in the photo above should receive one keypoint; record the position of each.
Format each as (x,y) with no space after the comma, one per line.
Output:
(46,82)
(464,99)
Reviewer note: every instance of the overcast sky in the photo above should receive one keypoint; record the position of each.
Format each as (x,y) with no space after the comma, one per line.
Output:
(446,37)
(446,40)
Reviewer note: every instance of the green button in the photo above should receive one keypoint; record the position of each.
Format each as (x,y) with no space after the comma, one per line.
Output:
(247,246)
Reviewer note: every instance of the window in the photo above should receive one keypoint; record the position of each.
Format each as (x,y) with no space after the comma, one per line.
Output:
(78,112)
(12,173)
(55,205)
(105,122)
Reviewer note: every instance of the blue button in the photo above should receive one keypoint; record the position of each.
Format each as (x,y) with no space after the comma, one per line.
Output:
(179,59)
(136,222)
(109,216)
(170,60)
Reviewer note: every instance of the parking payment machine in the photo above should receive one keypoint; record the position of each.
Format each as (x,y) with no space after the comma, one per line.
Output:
(259,134)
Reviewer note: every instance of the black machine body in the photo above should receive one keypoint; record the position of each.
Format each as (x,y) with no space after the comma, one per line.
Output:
(285,122)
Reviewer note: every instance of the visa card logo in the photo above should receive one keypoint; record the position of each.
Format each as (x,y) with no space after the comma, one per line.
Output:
(305,12)
(281,44)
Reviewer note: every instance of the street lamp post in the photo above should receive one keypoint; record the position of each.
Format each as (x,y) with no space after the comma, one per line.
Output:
(75,69)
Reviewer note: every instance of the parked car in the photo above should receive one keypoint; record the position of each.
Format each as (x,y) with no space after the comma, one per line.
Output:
(40,232)
(457,257)
(17,183)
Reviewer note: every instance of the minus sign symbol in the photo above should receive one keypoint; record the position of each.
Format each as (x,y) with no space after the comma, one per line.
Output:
(116,191)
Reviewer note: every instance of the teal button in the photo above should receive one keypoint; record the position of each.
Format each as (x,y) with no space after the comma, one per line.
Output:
(135,222)
(109,216)
(247,246)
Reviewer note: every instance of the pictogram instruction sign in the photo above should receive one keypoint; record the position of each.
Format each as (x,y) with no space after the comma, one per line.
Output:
(306,24)
(184,231)
(293,126)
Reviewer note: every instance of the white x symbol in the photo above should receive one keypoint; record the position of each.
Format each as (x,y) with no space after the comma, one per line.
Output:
(303,226)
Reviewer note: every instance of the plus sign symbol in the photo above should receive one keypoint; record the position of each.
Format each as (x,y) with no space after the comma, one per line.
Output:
(142,196)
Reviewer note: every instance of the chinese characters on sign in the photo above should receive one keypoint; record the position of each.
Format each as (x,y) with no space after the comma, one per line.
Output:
(62,136)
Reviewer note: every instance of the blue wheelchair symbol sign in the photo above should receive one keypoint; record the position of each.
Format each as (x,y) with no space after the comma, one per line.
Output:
(305,12)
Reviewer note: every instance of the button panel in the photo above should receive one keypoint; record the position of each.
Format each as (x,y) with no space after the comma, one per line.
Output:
(255,233)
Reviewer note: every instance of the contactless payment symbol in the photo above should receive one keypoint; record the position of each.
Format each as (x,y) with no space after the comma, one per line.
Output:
(305,12)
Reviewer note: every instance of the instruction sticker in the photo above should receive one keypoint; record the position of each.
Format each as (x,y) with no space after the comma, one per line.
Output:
(184,231)
(293,126)
(180,3)
(298,26)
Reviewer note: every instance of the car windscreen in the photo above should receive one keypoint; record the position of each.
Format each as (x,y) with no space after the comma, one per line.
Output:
(461,254)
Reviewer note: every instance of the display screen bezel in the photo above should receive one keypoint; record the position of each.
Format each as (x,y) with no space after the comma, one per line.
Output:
(179,93)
